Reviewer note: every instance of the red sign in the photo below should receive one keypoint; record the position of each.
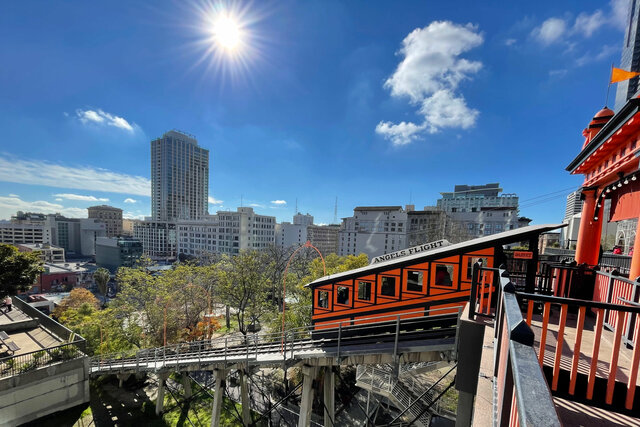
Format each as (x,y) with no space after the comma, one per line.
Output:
(523,254)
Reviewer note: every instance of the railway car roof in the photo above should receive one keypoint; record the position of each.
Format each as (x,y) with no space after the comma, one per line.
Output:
(503,238)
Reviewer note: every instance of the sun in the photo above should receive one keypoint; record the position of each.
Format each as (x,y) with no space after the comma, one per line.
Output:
(227,32)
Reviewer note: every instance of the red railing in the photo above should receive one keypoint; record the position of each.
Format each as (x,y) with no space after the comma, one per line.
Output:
(614,289)
(485,288)
(575,342)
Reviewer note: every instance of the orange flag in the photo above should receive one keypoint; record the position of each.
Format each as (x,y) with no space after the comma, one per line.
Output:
(619,75)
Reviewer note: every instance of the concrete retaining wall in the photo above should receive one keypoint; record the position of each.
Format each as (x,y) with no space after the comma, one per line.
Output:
(41,392)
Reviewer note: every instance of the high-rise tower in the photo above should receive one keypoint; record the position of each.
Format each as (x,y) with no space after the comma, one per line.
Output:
(179,178)
(630,60)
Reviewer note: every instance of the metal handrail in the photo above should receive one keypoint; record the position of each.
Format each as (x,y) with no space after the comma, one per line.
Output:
(250,346)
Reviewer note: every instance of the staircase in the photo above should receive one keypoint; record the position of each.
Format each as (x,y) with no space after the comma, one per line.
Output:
(402,391)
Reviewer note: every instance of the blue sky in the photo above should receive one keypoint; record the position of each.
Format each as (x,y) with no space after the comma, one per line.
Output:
(375,103)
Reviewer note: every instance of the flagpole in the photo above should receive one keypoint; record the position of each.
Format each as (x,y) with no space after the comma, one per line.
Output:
(606,103)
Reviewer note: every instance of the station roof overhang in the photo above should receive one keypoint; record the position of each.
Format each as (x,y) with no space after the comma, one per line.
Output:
(504,238)
(610,129)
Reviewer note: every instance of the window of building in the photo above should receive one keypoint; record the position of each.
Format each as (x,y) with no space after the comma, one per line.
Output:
(414,281)
(364,291)
(471,261)
(444,274)
(388,286)
(323,299)
(342,296)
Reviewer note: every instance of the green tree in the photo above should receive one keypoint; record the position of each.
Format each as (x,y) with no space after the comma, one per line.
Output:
(18,270)
(76,299)
(244,286)
(101,276)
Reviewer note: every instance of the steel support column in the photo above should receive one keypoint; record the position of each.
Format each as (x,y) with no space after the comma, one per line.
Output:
(309,374)
(186,385)
(219,376)
(244,396)
(162,376)
(329,397)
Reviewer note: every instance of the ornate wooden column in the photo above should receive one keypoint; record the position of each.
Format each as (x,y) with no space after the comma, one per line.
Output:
(588,247)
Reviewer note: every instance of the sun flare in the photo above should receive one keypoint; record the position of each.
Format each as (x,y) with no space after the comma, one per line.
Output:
(227,33)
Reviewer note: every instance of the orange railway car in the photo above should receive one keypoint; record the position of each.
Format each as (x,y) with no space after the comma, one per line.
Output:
(414,283)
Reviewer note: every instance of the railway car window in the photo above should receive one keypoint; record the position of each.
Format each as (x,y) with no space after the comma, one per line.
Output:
(443,275)
(414,281)
(388,287)
(364,291)
(472,261)
(323,299)
(342,296)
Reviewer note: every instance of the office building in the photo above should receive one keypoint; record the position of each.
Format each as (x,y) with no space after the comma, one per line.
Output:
(293,234)
(48,253)
(159,239)
(14,233)
(373,230)
(630,59)
(574,205)
(127,226)
(481,210)
(226,232)
(179,178)
(324,237)
(110,216)
(115,252)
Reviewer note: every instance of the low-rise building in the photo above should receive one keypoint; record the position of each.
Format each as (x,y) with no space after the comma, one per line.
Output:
(293,234)
(110,216)
(159,239)
(226,232)
(48,253)
(115,252)
(324,237)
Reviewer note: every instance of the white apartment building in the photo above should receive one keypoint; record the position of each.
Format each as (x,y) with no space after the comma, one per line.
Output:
(48,253)
(13,233)
(373,230)
(159,239)
(471,198)
(226,232)
(288,234)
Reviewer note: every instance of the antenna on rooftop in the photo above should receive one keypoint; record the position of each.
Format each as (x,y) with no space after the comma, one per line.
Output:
(335,212)
(241,201)
(296,213)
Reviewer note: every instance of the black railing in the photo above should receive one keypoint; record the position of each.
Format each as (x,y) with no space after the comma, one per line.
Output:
(517,372)
(15,365)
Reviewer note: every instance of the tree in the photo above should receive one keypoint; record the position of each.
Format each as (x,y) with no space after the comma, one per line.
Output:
(76,299)
(18,270)
(101,277)
(244,286)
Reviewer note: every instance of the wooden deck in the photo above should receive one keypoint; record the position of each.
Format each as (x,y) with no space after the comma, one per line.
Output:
(571,413)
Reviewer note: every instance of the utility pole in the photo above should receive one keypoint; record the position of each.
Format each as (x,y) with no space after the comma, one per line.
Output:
(335,212)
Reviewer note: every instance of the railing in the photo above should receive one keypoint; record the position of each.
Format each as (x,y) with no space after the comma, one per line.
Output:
(485,291)
(613,289)
(15,365)
(603,311)
(523,396)
(51,325)
(334,338)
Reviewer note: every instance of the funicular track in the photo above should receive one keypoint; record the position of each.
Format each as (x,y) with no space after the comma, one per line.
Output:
(384,335)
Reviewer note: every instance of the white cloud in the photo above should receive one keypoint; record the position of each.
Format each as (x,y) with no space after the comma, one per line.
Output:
(256,205)
(429,75)
(588,24)
(214,201)
(400,134)
(558,73)
(510,42)
(13,195)
(103,118)
(10,205)
(37,172)
(606,52)
(130,200)
(550,31)
(131,215)
(619,13)
(279,202)
(70,196)
(560,30)
(58,199)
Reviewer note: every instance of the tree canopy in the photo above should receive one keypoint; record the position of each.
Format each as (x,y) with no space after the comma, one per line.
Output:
(18,270)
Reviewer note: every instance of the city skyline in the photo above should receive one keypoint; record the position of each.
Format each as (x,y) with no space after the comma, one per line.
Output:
(316,112)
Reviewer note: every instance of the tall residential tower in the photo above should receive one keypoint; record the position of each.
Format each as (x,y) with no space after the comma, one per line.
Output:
(630,60)
(179,178)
